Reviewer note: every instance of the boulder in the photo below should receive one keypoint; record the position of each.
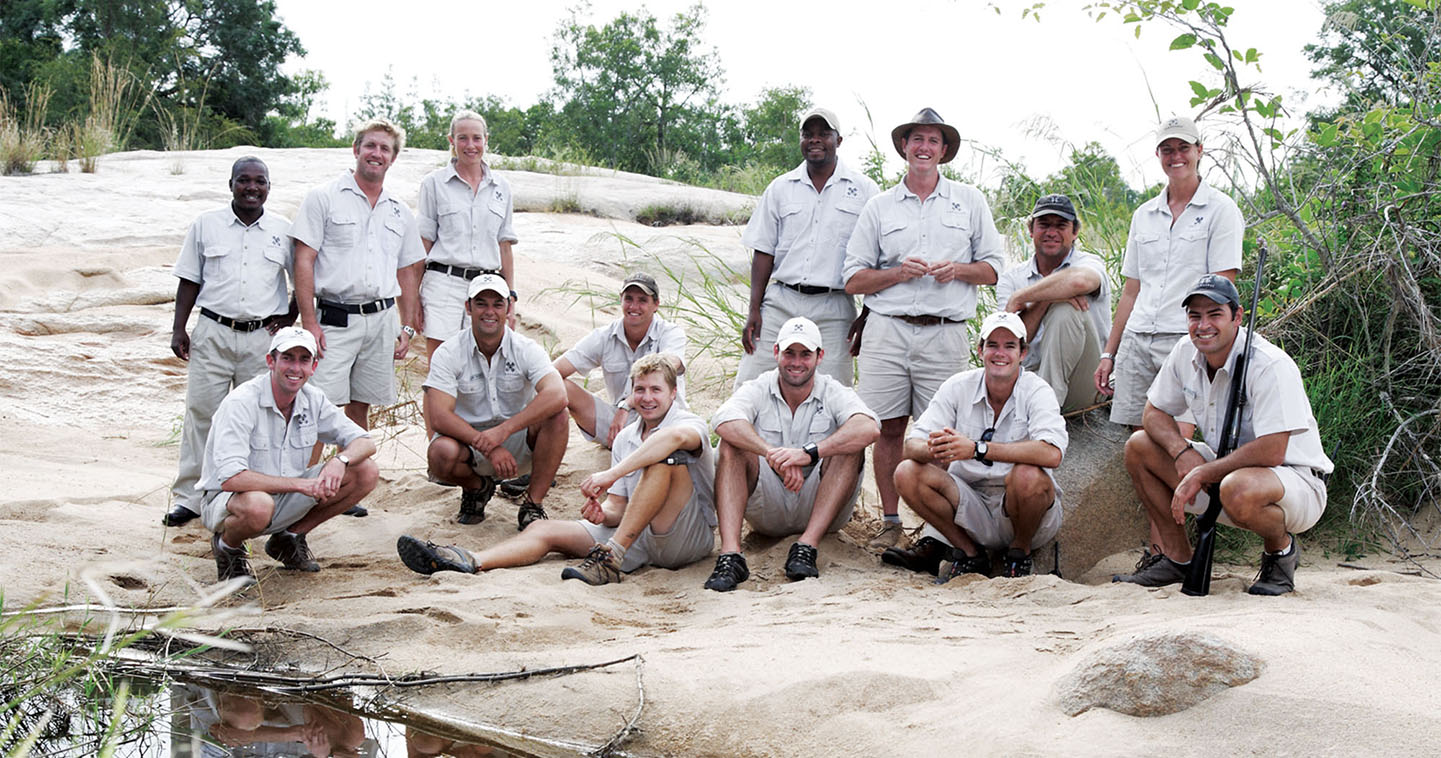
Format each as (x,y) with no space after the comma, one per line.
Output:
(1155,674)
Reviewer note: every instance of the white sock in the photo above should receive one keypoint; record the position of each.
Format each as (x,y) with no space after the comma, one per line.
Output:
(221,542)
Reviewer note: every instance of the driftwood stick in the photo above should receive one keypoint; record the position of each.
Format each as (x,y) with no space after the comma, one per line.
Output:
(628,729)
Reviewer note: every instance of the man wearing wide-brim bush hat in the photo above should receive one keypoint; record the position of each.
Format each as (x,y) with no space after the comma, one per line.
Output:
(918,253)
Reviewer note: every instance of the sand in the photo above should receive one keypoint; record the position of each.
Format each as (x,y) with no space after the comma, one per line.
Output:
(867,659)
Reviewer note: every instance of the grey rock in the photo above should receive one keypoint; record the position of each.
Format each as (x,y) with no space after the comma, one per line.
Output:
(1155,674)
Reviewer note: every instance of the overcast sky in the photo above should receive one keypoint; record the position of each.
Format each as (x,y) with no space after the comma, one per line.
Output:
(994,76)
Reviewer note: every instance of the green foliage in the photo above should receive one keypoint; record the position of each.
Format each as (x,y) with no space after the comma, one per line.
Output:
(1367,48)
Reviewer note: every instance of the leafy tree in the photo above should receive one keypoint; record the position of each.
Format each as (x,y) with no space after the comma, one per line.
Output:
(638,96)
(771,132)
(1369,47)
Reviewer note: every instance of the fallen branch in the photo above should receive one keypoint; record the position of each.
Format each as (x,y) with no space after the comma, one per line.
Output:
(626,730)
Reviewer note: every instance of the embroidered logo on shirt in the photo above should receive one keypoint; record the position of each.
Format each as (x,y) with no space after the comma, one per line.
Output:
(275,240)
(852,192)
(395,210)
(955,206)
(510,366)
(302,418)
(499,195)
(1197,220)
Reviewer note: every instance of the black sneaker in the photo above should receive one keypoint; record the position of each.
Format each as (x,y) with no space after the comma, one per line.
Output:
(514,488)
(291,551)
(923,556)
(730,570)
(801,562)
(529,512)
(472,501)
(179,516)
(980,563)
(1278,572)
(358,511)
(230,564)
(1016,563)
(1155,571)
(428,557)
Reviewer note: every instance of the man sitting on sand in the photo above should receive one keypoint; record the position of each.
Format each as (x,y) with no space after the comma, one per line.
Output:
(497,408)
(659,510)
(1273,483)
(999,432)
(792,446)
(255,477)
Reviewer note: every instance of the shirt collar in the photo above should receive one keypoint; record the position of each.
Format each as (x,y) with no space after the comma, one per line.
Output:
(943,189)
(1201,198)
(348,183)
(504,351)
(978,398)
(775,389)
(1036,271)
(1237,345)
(617,330)
(451,173)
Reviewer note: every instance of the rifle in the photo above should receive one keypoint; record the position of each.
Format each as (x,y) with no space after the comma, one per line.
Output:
(1198,579)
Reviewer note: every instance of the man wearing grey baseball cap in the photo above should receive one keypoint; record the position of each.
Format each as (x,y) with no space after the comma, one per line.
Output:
(1273,483)
(798,236)
(256,479)
(1063,295)
(792,445)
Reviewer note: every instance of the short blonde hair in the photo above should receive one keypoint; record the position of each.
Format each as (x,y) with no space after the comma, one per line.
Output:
(469,116)
(380,125)
(655,363)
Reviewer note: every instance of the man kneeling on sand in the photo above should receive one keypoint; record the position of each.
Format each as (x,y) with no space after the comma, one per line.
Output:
(255,477)
(792,445)
(998,432)
(659,510)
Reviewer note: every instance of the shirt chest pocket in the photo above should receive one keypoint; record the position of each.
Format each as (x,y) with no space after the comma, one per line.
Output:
(956,227)
(392,235)
(499,206)
(341,232)
(302,437)
(898,241)
(770,430)
(471,385)
(278,253)
(822,425)
(510,384)
(217,261)
(454,219)
(790,224)
(847,212)
(1194,244)
(614,364)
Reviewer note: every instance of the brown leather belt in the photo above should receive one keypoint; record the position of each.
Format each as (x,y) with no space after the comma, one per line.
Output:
(929,320)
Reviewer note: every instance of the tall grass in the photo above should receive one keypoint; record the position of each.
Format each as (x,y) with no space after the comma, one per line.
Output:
(116,102)
(23,138)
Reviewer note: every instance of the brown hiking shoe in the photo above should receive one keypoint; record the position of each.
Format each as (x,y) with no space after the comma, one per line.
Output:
(599,567)
(230,564)
(291,551)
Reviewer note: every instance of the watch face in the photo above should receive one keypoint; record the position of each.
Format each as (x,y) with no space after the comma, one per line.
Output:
(981,448)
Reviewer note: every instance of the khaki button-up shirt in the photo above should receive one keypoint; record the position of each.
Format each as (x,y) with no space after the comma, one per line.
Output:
(359,247)
(241,269)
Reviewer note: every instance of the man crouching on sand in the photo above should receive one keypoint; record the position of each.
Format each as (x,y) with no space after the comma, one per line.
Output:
(255,477)
(659,510)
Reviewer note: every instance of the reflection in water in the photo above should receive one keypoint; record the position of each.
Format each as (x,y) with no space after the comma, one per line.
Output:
(213,724)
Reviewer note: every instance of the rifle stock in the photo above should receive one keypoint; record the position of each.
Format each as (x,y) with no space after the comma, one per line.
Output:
(1198,578)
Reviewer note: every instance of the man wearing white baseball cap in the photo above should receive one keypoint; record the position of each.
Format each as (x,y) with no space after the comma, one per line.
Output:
(792,446)
(798,236)
(256,478)
(998,433)
(497,408)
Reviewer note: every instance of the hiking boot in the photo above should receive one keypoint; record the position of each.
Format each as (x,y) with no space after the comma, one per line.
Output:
(517,487)
(599,567)
(730,570)
(1016,563)
(428,557)
(179,516)
(358,511)
(291,551)
(889,536)
(980,563)
(1155,571)
(529,512)
(924,555)
(801,562)
(230,564)
(472,501)
(1278,572)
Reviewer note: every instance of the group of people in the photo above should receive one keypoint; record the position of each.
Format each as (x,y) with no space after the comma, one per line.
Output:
(972,451)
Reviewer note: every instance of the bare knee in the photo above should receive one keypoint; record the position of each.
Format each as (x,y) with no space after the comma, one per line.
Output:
(1028,482)
(365,475)
(908,478)
(1139,448)
(1241,500)
(443,455)
(251,510)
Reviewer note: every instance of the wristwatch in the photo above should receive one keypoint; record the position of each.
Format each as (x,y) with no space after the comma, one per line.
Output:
(343,458)
(409,331)
(981,448)
(814,451)
(1107,357)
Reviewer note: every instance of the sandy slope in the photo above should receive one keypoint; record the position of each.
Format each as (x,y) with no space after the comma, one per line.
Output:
(864,660)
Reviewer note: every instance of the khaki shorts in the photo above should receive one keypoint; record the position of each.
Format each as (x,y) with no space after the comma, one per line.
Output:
(1302,504)
(442,297)
(902,365)
(517,445)
(604,417)
(290,507)
(832,313)
(689,539)
(359,362)
(1138,360)
(775,511)
(981,512)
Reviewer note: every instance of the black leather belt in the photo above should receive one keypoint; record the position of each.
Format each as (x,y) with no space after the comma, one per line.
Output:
(1322,475)
(929,320)
(808,289)
(463,273)
(374,306)
(236,324)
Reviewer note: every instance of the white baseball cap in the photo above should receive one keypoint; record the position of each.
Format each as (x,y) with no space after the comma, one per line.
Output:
(292,336)
(488,283)
(1181,127)
(1003,320)
(799,330)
